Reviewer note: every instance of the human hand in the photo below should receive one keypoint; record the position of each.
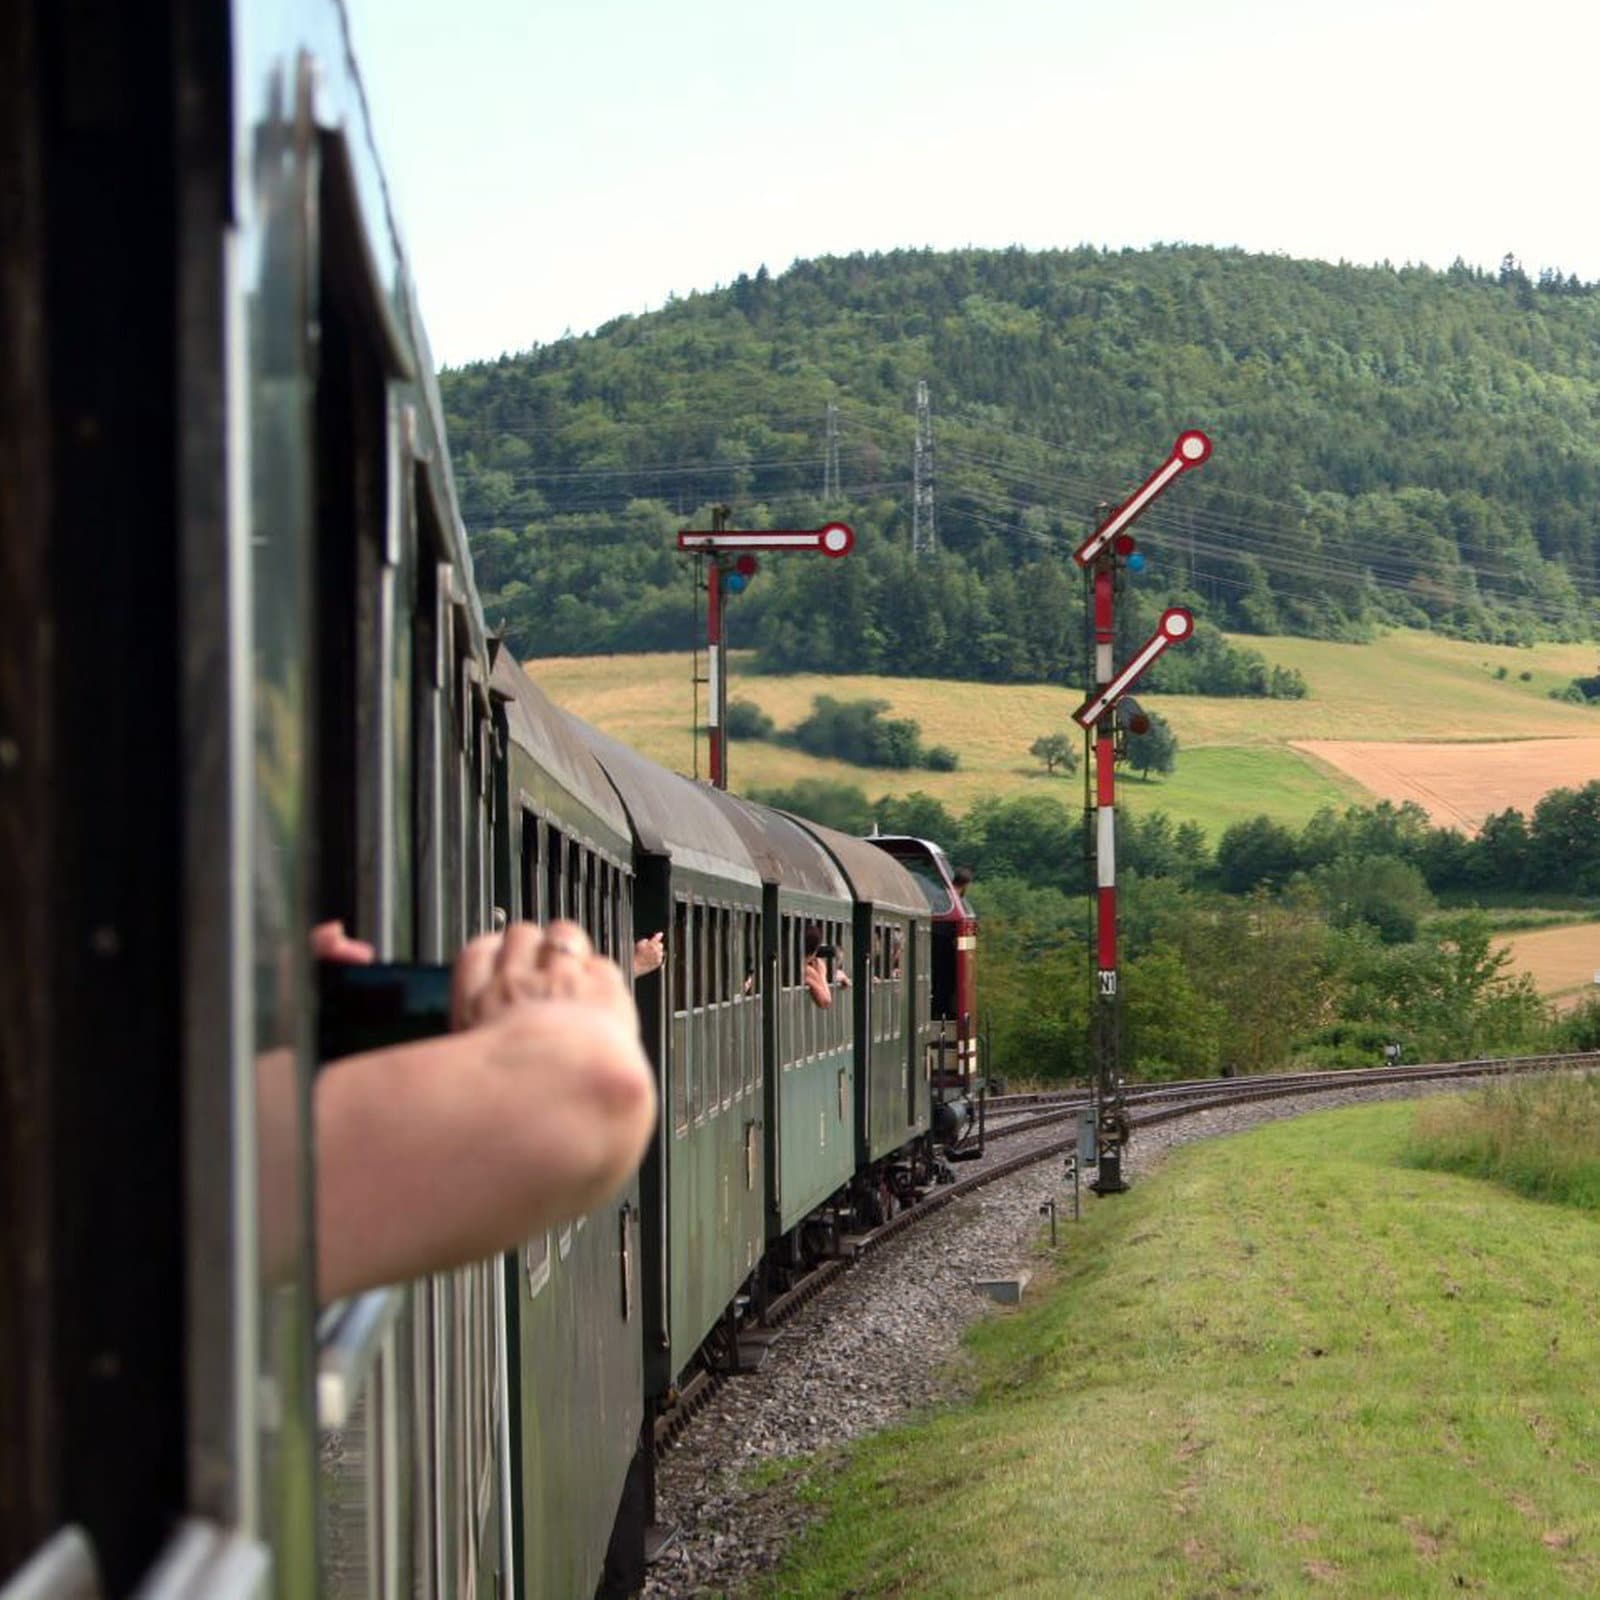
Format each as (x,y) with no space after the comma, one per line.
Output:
(447,1150)
(329,942)
(498,972)
(648,954)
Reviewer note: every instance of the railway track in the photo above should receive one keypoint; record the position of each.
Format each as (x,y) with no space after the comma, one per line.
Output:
(1149,1105)
(1040,1110)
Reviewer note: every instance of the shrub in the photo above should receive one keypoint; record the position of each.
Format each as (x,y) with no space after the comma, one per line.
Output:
(746,720)
(857,731)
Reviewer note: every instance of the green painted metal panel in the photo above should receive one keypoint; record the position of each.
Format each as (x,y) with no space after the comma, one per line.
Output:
(579,1352)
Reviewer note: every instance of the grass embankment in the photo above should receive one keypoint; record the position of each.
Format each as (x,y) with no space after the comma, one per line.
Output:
(1286,1364)
(1537,1137)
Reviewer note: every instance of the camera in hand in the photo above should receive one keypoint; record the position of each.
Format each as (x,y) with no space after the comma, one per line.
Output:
(372,1007)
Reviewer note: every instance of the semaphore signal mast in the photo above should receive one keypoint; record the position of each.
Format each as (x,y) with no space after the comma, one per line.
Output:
(1102,556)
(727,562)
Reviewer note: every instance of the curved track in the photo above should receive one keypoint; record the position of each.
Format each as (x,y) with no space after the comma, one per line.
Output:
(1034,1114)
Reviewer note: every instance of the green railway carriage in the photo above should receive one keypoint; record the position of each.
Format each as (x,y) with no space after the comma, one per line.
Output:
(566,850)
(892,971)
(809,1051)
(225,467)
(704,1177)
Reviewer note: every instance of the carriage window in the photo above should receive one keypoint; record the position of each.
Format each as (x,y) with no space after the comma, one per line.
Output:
(680,957)
(697,944)
(840,1014)
(750,971)
(528,906)
(555,859)
(573,908)
(846,1002)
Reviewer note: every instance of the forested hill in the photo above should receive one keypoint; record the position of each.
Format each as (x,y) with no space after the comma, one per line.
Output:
(1391,445)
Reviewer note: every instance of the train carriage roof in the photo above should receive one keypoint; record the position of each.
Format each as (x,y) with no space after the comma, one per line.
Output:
(670,815)
(872,873)
(538,726)
(783,852)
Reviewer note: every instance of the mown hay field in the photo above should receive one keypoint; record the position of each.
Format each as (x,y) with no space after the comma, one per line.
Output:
(1237,758)
(1564,962)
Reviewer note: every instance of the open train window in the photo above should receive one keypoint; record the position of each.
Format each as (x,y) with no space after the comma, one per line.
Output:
(716,1066)
(697,1050)
(554,861)
(680,957)
(847,1008)
(528,906)
(678,961)
(351,646)
(602,926)
(573,909)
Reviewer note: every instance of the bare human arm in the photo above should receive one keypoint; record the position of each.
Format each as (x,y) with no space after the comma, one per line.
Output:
(817,985)
(434,1154)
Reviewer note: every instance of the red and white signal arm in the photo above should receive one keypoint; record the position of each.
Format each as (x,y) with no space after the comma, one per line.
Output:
(1176,625)
(833,539)
(1191,449)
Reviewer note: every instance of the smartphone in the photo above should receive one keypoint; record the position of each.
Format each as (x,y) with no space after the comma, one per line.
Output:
(371,1007)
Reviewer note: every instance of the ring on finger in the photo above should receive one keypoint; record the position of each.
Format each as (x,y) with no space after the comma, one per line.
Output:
(565,944)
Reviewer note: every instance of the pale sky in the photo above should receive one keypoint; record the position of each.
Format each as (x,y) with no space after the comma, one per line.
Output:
(559,164)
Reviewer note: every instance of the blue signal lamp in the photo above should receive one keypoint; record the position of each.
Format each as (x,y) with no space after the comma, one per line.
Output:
(1136,562)
(735,582)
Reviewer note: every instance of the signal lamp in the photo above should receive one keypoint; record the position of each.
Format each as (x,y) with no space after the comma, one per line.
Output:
(1136,562)
(748,566)
(1138,723)
(1124,544)
(734,582)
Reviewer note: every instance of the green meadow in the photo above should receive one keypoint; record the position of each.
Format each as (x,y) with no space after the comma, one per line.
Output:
(1236,757)
(1288,1363)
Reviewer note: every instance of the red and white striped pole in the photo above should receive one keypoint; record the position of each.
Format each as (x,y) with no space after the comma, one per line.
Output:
(717,702)
(1105,780)
(1110,1114)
